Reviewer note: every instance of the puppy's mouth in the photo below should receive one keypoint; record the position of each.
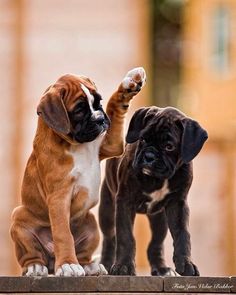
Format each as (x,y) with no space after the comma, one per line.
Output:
(154,172)
(89,136)
(147,171)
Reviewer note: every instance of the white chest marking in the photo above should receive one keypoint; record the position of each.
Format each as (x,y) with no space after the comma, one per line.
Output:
(86,169)
(158,195)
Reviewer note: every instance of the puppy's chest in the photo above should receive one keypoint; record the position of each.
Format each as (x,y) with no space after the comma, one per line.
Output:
(149,199)
(86,173)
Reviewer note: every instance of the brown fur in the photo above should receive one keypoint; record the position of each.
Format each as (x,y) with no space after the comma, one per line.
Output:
(52,223)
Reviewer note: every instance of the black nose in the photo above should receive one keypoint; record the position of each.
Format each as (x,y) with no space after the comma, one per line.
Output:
(149,157)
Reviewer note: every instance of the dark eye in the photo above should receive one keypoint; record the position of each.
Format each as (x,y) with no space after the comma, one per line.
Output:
(79,108)
(169,147)
(97,100)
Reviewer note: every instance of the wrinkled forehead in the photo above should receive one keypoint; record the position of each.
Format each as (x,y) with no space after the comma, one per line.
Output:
(163,128)
(76,88)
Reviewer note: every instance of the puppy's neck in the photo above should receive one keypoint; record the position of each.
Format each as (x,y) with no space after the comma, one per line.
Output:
(48,140)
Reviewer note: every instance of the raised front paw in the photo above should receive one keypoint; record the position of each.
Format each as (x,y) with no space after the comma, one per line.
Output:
(134,80)
(36,270)
(70,270)
(185,267)
(127,269)
(95,269)
(132,84)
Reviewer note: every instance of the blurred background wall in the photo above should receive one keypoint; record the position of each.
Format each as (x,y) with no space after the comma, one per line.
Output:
(188,48)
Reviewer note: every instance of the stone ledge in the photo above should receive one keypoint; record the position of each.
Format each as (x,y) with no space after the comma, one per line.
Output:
(113,293)
(118,285)
(198,284)
(233,283)
(130,284)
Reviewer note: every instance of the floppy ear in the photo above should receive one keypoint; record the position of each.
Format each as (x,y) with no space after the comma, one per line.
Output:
(137,123)
(88,82)
(52,109)
(193,139)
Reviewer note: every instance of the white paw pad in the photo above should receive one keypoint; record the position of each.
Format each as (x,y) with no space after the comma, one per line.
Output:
(37,270)
(134,78)
(70,270)
(95,269)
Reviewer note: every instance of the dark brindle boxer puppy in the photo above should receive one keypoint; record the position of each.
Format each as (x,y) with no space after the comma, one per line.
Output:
(152,177)
(53,229)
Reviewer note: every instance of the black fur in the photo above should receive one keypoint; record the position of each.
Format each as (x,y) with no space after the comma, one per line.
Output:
(161,145)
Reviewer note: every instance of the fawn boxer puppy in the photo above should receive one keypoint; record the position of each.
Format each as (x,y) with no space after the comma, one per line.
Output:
(53,229)
(152,177)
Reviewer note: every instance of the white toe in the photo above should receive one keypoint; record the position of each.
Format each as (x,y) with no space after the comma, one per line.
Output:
(78,270)
(58,272)
(70,270)
(95,269)
(66,270)
(171,273)
(126,82)
(140,70)
(134,77)
(30,271)
(103,271)
(37,270)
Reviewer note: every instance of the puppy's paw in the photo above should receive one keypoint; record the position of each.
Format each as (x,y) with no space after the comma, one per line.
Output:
(134,80)
(163,271)
(132,84)
(186,268)
(108,262)
(36,270)
(123,269)
(190,269)
(70,270)
(95,269)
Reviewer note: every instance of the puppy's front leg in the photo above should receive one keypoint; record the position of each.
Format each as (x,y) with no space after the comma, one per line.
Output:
(125,246)
(117,107)
(66,263)
(178,218)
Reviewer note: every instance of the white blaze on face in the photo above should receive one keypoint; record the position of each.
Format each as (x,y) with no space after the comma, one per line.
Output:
(89,96)
(90,101)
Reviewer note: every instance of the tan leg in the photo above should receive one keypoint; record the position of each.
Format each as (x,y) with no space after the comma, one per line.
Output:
(117,107)
(31,255)
(66,262)
(86,236)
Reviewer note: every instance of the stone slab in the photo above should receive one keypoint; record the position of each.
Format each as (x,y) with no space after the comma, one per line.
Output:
(14,284)
(115,293)
(233,284)
(96,293)
(197,284)
(117,285)
(64,284)
(130,284)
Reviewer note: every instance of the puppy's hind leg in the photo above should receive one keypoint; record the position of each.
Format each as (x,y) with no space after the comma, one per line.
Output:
(159,228)
(107,225)
(30,253)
